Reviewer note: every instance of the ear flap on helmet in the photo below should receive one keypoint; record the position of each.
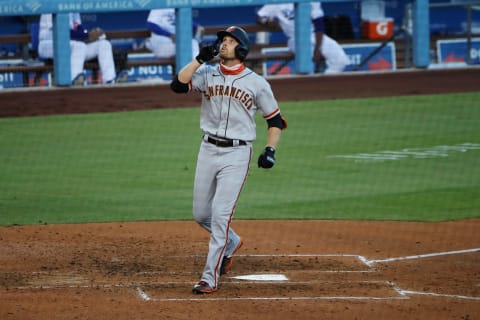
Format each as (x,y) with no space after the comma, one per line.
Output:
(241,52)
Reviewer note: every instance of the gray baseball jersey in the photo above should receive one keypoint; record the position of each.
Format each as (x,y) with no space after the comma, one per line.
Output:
(230,101)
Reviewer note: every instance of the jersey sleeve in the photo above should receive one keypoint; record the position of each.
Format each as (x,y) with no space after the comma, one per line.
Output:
(77,30)
(316,10)
(155,28)
(266,101)
(267,11)
(199,79)
(161,21)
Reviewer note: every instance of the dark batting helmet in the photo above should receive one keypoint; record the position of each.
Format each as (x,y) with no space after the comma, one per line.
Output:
(241,50)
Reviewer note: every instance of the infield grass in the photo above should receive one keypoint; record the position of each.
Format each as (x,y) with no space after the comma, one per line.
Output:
(140,165)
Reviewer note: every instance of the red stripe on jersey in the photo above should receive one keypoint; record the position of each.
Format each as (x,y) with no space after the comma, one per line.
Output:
(271,114)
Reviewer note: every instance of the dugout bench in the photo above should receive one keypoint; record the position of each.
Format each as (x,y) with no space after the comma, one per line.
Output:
(30,63)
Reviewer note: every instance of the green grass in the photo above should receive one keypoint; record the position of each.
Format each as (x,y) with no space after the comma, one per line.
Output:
(140,165)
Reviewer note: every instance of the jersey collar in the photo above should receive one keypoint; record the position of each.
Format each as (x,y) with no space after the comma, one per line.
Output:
(237,69)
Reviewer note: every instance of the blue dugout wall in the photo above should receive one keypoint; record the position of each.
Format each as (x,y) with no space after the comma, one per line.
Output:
(185,8)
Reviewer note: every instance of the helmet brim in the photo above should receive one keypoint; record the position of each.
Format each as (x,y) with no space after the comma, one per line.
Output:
(223,33)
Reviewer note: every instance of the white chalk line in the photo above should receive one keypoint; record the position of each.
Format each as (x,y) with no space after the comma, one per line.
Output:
(420,256)
(146,297)
(266,255)
(297,255)
(274,298)
(280,255)
(153,273)
(74,286)
(432,294)
(176,283)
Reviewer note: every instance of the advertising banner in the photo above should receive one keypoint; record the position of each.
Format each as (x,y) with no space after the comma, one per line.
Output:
(384,59)
(456,50)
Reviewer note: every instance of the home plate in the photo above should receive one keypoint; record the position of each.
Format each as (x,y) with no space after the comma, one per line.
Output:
(262,277)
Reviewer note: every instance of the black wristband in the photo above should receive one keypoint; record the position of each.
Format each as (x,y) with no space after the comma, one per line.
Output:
(199,60)
(270,149)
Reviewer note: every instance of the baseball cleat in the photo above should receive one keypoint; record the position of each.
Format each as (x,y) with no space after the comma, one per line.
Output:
(79,80)
(122,77)
(203,287)
(227,262)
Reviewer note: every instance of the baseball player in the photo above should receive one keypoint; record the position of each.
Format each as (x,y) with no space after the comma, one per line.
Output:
(231,95)
(161,23)
(322,45)
(84,46)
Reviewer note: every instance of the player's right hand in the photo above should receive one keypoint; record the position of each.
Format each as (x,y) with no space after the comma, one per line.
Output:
(96,34)
(207,53)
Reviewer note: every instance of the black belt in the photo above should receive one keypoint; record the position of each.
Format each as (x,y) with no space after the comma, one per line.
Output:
(225,142)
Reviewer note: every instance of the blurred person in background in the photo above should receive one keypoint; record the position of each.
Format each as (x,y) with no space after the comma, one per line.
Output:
(161,23)
(85,45)
(324,49)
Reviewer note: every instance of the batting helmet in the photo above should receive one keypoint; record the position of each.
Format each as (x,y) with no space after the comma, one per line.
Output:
(241,50)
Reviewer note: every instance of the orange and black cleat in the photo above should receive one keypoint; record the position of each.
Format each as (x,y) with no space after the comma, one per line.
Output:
(202,287)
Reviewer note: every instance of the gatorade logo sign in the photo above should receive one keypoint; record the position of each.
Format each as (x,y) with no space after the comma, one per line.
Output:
(382,28)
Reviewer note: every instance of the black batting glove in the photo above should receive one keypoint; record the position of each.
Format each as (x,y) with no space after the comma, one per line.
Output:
(267,158)
(207,53)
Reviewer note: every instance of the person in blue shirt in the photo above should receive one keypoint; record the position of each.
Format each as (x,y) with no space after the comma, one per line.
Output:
(84,45)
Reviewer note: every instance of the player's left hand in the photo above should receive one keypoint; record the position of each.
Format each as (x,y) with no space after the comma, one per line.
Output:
(267,159)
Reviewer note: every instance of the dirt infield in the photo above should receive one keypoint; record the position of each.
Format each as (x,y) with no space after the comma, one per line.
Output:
(315,269)
(334,270)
